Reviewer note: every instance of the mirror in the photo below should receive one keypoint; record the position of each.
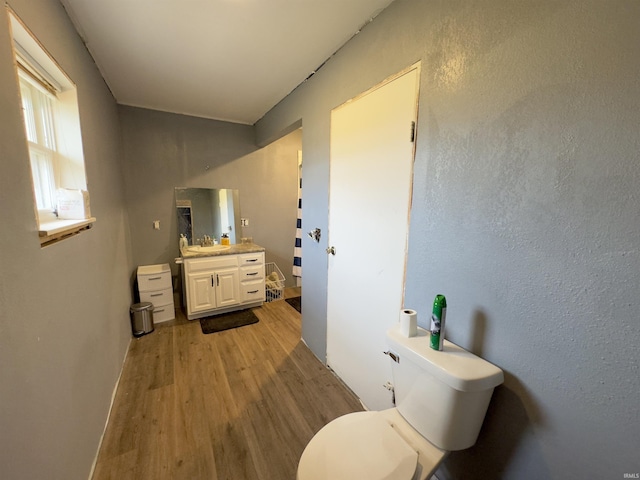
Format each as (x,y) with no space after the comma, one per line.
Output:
(208,211)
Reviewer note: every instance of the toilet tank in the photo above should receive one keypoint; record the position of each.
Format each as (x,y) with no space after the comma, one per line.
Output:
(444,395)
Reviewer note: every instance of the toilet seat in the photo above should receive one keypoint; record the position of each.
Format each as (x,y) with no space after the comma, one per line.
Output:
(358,445)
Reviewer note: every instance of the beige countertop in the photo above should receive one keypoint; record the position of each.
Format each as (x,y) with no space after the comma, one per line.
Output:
(235,249)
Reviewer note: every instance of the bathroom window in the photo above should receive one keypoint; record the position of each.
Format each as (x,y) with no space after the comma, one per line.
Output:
(52,131)
(37,107)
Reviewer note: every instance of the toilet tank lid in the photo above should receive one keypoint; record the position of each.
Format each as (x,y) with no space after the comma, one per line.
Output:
(455,366)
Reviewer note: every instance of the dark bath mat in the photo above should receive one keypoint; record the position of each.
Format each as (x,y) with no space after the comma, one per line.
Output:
(295,302)
(227,321)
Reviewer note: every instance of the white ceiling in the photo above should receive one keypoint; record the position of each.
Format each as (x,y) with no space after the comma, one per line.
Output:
(228,60)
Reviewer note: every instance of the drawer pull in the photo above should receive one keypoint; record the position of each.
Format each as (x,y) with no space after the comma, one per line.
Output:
(158,310)
(252,274)
(156,294)
(254,291)
(251,260)
(155,278)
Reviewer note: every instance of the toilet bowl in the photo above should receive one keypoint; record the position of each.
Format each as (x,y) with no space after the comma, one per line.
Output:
(369,445)
(441,401)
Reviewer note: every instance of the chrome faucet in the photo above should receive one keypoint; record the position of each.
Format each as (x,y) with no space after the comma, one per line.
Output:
(206,241)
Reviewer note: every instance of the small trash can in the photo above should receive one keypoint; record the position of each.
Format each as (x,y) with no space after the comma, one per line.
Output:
(141,318)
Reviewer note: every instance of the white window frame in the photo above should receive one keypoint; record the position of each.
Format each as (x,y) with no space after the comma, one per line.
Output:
(37,107)
(52,132)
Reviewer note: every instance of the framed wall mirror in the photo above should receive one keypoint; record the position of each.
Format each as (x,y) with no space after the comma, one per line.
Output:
(208,211)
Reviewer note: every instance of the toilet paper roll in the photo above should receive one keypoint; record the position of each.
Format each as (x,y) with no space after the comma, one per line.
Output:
(408,323)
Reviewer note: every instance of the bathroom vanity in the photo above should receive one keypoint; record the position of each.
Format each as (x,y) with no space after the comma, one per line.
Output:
(222,278)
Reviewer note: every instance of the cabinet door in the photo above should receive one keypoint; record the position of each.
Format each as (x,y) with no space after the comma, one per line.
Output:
(201,290)
(227,287)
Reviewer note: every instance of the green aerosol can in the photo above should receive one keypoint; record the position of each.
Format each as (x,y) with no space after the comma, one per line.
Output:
(438,317)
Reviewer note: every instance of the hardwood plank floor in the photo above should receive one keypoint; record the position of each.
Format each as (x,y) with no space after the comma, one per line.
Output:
(234,405)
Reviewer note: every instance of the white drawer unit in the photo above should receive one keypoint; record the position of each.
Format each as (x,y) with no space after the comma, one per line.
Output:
(252,277)
(154,285)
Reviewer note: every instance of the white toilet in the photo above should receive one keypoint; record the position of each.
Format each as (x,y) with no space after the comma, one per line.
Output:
(441,400)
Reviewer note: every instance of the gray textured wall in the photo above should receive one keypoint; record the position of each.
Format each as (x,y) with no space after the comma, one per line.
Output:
(163,151)
(525,213)
(64,309)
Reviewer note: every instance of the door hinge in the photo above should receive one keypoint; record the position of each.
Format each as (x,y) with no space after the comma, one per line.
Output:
(413,132)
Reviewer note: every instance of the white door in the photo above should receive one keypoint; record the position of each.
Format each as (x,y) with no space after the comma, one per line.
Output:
(371,170)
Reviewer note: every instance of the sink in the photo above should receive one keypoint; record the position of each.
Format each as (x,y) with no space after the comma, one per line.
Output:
(207,249)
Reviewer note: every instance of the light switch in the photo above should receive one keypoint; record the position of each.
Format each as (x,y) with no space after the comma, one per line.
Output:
(156,225)
(244,222)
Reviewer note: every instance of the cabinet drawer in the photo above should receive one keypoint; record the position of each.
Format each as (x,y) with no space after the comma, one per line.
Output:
(158,297)
(252,291)
(251,259)
(211,263)
(163,313)
(158,281)
(254,272)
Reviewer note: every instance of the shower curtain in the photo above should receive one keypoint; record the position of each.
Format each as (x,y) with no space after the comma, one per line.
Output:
(297,251)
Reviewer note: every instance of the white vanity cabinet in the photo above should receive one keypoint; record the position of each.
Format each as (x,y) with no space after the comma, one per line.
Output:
(154,285)
(223,283)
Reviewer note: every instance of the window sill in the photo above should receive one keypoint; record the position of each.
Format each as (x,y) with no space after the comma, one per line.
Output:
(56,230)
